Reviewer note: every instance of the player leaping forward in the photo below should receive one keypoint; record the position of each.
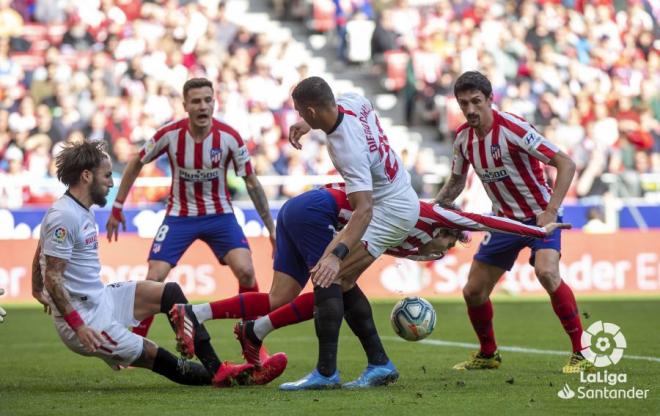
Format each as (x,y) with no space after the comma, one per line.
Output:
(200,149)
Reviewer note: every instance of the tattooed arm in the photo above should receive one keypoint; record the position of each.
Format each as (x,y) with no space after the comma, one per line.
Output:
(54,282)
(260,202)
(38,281)
(452,189)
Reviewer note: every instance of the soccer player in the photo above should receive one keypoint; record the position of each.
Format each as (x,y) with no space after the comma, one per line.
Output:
(91,318)
(507,154)
(385,209)
(200,149)
(305,226)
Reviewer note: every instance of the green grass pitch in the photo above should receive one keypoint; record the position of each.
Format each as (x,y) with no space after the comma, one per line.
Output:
(40,376)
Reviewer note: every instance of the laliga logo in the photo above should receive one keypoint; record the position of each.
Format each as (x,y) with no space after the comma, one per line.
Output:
(603,344)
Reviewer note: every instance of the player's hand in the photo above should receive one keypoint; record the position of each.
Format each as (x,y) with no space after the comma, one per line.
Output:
(89,338)
(39,296)
(112,226)
(2,311)
(546,217)
(296,132)
(326,270)
(550,228)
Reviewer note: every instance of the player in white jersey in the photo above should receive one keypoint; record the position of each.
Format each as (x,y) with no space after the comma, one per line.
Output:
(200,149)
(385,209)
(90,317)
(507,154)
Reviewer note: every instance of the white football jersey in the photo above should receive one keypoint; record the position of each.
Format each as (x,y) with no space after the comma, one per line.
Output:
(68,232)
(360,151)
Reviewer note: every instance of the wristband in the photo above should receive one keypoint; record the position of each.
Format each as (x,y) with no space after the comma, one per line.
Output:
(74,320)
(117,207)
(340,250)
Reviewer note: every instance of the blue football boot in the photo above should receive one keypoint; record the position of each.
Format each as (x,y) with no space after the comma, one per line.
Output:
(313,381)
(373,376)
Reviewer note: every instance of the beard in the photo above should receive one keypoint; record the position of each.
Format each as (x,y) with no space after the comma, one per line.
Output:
(97,194)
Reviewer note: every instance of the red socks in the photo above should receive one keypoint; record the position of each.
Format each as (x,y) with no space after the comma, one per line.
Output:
(245,305)
(298,310)
(245,289)
(482,322)
(563,302)
(143,329)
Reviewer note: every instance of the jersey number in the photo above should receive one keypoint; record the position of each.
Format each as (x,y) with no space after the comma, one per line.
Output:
(162,232)
(385,152)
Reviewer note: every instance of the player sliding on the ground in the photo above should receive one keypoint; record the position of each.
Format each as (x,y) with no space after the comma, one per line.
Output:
(91,318)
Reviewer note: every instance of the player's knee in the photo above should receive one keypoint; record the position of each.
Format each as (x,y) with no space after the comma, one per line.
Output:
(156,275)
(148,355)
(474,295)
(245,275)
(347,284)
(172,294)
(548,278)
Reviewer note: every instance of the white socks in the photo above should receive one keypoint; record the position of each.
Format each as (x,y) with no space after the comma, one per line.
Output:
(262,327)
(202,312)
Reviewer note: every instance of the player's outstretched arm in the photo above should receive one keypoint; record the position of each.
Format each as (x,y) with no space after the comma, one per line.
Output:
(54,283)
(131,172)
(260,201)
(451,190)
(38,281)
(296,132)
(2,311)
(470,221)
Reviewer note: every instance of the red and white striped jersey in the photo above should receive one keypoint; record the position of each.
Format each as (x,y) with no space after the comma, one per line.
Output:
(199,170)
(508,162)
(432,218)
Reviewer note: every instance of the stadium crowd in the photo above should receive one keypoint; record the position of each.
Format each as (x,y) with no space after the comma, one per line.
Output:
(587,74)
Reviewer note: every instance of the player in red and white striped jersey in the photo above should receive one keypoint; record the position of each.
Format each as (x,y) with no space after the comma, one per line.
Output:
(508,155)
(200,150)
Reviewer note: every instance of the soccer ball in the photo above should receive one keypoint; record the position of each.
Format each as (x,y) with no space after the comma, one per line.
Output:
(413,318)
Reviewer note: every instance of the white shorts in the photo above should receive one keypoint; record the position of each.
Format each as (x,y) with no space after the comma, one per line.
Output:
(391,222)
(110,316)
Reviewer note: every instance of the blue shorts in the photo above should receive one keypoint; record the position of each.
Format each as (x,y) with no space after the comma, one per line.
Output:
(220,231)
(501,250)
(305,227)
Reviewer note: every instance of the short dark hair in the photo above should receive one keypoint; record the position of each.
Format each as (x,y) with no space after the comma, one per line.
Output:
(473,80)
(77,157)
(193,83)
(314,91)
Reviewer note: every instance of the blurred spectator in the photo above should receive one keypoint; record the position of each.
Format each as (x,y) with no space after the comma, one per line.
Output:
(586,74)
(596,223)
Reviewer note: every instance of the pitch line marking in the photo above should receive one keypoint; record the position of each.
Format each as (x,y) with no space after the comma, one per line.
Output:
(470,345)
